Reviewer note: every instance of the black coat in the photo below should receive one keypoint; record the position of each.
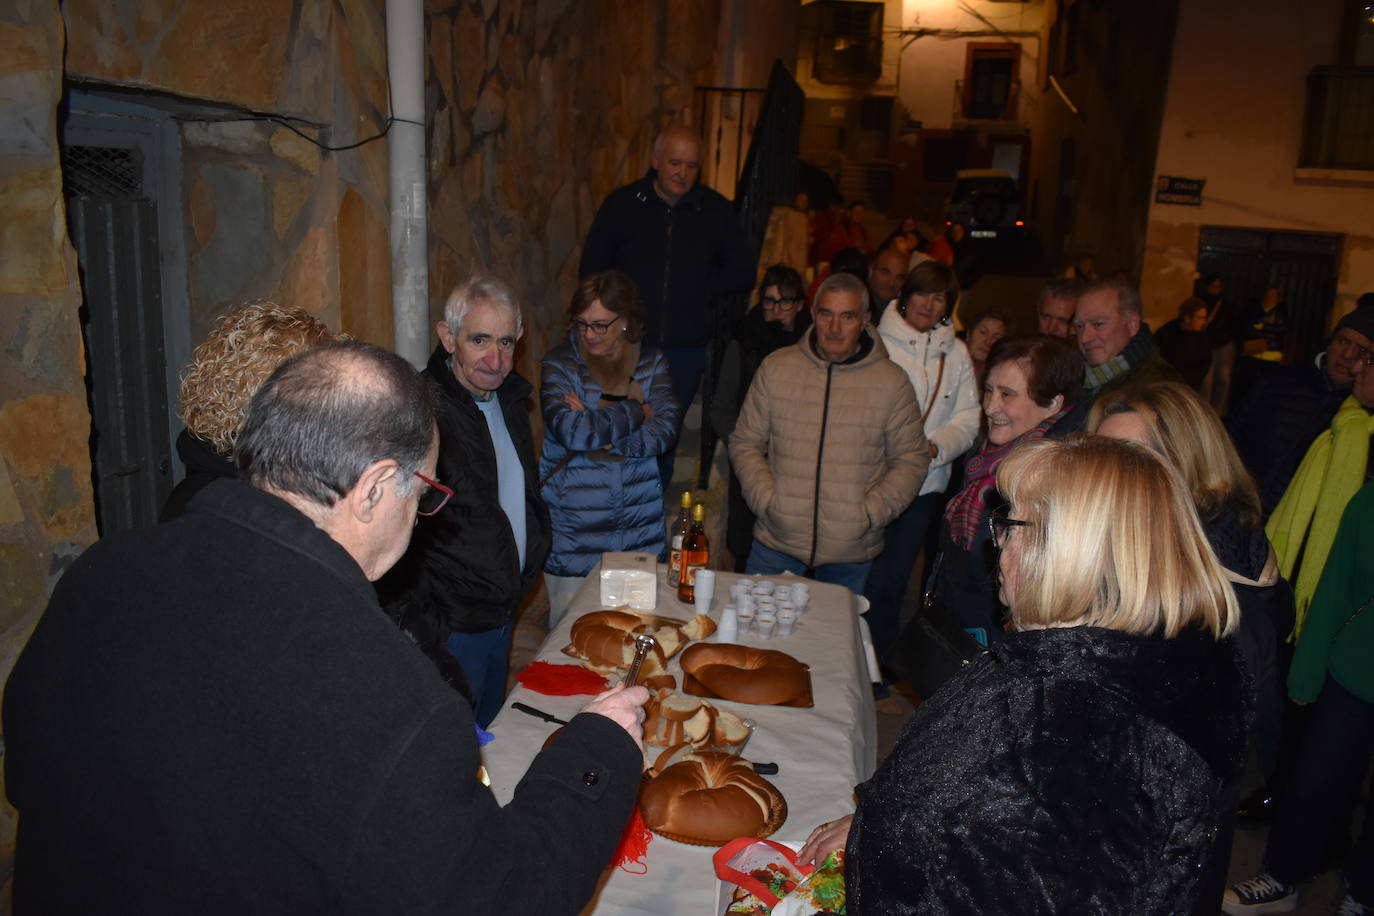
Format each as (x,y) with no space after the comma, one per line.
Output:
(215,716)
(754,339)
(462,572)
(678,256)
(203,465)
(1278,421)
(1075,770)
(1190,352)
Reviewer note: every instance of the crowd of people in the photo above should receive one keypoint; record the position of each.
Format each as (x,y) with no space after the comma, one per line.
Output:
(275,700)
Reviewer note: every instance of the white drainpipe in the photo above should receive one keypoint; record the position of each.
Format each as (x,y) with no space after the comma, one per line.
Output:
(405,34)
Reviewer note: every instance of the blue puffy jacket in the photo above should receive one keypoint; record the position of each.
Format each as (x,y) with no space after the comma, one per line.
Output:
(608,495)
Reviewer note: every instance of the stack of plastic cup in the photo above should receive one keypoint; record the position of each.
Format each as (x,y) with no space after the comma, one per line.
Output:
(703,590)
(728,628)
(787,618)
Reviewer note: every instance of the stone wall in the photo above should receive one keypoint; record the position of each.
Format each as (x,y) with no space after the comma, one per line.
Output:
(46,515)
(536,109)
(267,210)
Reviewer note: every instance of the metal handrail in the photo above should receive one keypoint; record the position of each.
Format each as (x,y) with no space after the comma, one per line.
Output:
(769,176)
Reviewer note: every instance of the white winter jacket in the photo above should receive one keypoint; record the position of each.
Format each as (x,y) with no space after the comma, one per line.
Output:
(954,417)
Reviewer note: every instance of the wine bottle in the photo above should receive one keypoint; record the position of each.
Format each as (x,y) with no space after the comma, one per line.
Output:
(676,534)
(696,554)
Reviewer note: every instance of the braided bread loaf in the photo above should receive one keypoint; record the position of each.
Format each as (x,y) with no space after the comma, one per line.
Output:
(709,798)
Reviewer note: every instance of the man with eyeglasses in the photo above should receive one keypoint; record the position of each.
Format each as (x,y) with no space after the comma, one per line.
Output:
(681,243)
(470,565)
(214,716)
(1290,406)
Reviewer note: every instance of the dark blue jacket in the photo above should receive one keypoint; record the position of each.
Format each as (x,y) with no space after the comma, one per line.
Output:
(608,495)
(1277,422)
(677,255)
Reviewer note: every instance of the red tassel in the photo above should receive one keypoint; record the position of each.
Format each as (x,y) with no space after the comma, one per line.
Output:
(634,846)
(560,680)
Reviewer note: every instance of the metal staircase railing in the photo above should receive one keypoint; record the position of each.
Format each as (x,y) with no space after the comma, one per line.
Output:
(769,176)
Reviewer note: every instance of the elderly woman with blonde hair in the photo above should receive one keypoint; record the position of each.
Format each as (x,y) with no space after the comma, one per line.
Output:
(235,358)
(1076,766)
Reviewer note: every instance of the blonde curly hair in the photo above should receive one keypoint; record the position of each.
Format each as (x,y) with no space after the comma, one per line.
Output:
(236,357)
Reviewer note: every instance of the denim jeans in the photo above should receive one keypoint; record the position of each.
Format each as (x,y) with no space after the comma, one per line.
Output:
(485,657)
(887,580)
(764,560)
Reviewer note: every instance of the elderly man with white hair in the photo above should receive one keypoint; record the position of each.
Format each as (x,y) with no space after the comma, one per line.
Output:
(469,565)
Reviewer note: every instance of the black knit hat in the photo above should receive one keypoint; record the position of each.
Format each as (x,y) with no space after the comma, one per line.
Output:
(1361,320)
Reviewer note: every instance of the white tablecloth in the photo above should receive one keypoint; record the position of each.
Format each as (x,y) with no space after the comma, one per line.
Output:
(822,752)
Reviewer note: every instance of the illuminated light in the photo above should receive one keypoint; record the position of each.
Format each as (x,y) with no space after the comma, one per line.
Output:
(1020,222)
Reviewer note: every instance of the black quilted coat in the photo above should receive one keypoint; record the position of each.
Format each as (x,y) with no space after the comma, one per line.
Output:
(1072,770)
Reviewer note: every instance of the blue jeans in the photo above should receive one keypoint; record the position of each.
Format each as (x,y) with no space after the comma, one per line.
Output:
(902,541)
(485,657)
(764,560)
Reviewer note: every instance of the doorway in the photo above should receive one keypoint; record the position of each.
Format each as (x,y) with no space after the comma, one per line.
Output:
(1303,265)
(121,184)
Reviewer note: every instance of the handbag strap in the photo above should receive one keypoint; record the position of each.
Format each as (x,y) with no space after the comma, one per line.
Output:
(928,599)
(562,462)
(934,392)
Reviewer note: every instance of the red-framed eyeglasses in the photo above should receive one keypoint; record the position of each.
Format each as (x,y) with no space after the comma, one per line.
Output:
(434,498)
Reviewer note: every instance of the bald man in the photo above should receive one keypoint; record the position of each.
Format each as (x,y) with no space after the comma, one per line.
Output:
(680,242)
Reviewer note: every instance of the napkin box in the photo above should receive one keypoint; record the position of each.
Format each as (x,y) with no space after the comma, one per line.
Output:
(629,580)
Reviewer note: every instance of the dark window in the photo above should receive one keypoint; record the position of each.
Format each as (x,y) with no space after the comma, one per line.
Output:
(849,41)
(943,157)
(1357,34)
(990,92)
(876,113)
(1068,62)
(1338,127)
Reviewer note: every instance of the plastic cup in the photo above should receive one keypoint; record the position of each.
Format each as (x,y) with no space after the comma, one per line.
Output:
(745,617)
(787,619)
(703,590)
(746,602)
(764,624)
(763,587)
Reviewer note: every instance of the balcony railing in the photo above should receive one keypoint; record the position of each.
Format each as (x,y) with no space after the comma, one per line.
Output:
(980,101)
(1338,130)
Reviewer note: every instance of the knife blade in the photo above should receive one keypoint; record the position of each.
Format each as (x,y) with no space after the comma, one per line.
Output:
(538,713)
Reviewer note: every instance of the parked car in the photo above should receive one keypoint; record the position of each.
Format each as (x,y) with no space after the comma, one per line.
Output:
(986,203)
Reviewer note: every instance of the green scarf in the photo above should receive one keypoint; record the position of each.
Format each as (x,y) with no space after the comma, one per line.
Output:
(1132,355)
(1310,510)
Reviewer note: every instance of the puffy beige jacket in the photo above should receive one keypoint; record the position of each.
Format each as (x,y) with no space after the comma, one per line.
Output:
(828,453)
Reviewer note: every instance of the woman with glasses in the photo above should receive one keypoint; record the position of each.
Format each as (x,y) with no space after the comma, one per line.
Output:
(1028,392)
(609,412)
(778,320)
(920,340)
(1076,766)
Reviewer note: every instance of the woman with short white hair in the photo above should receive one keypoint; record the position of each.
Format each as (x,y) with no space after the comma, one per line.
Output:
(1077,766)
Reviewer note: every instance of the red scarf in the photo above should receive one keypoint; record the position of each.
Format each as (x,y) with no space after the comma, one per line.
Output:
(967,509)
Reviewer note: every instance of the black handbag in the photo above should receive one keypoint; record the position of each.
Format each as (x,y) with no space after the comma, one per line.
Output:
(932,647)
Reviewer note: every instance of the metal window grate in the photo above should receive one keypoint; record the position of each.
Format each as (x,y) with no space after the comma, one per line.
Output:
(102,172)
